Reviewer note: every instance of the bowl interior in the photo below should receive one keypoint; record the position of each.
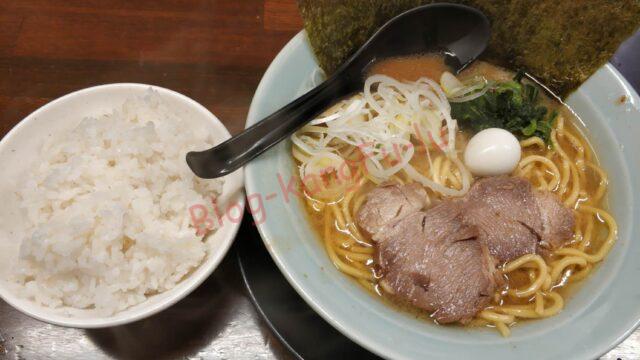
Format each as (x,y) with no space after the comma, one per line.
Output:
(19,150)
(297,251)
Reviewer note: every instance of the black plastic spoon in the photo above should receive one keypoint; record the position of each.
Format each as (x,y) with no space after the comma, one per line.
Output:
(459,32)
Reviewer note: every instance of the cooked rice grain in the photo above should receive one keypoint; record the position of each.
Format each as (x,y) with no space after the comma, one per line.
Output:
(107,210)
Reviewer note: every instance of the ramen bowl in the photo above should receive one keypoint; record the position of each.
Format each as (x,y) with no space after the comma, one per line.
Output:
(598,315)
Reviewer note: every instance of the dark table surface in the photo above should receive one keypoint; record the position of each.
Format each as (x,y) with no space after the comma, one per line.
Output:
(212,51)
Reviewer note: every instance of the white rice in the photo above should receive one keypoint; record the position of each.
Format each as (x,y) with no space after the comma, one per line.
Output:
(107,209)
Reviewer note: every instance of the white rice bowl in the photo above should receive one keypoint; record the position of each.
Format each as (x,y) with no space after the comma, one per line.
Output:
(103,212)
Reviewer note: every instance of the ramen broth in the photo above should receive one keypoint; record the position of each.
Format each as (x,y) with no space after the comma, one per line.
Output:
(432,66)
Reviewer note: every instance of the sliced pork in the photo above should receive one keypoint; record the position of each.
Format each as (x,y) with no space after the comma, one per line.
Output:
(432,260)
(514,219)
(389,203)
(443,259)
(507,215)
(557,221)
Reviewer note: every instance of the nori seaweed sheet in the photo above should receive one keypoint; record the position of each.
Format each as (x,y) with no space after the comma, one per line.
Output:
(560,42)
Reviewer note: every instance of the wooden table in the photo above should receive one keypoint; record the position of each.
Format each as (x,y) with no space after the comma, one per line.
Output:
(212,51)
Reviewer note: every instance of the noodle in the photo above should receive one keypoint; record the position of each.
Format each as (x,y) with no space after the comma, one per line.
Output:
(572,182)
(549,166)
(538,281)
(533,288)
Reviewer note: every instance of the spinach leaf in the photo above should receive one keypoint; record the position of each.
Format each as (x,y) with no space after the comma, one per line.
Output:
(510,105)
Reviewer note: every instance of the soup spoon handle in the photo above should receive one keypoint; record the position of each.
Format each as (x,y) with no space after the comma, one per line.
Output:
(458,31)
(242,148)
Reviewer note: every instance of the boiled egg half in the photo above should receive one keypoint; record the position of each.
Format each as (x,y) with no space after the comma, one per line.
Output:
(492,152)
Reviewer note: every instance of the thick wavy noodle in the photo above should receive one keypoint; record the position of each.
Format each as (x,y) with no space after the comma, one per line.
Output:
(569,169)
(535,286)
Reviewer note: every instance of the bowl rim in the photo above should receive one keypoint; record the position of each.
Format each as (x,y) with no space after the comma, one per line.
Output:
(195,278)
(295,280)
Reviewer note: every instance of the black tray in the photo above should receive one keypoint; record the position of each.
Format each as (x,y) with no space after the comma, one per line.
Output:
(292,320)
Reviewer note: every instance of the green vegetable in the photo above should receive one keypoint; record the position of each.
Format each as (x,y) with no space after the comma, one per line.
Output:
(512,105)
